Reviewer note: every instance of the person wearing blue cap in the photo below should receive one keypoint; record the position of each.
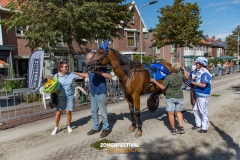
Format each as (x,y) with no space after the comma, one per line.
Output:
(201,80)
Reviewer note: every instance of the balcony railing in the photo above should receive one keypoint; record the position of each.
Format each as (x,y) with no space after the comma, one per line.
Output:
(199,53)
(188,53)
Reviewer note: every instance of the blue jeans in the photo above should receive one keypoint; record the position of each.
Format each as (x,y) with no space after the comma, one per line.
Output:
(99,101)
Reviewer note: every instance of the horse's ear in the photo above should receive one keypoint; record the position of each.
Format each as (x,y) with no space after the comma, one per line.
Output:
(106,44)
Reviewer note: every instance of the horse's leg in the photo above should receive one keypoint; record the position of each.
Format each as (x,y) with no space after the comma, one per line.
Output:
(133,126)
(136,101)
(139,130)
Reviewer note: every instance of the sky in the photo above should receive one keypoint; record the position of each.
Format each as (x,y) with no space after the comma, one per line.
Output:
(219,17)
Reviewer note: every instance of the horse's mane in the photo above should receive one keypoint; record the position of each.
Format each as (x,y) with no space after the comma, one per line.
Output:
(126,63)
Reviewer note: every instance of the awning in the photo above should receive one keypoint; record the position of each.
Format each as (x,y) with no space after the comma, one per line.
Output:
(6,47)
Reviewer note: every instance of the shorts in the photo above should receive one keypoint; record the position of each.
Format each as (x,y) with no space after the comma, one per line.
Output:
(65,103)
(174,104)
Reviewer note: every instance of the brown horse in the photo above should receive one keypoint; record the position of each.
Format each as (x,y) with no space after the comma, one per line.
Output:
(134,80)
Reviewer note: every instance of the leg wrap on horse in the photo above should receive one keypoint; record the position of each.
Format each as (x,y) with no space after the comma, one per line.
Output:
(137,113)
(131,108)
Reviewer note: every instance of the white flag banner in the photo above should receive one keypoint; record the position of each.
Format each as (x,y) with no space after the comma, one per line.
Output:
(35,67)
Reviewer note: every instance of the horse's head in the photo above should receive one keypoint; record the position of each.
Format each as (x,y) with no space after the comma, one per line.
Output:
(100,58)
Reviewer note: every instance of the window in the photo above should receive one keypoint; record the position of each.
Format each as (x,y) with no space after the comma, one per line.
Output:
(131,39)
(146,35)
(205,48)
(198,48)
(157,50)
(21,30)
(172,60)
(150,50)
(172,48)
(188,62)
(132,20)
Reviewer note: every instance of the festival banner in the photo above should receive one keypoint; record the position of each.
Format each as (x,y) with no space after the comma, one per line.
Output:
(35,67)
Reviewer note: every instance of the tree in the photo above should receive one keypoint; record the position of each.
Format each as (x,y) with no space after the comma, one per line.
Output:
(145,59)
(232,42)
(178,25)
(52,20)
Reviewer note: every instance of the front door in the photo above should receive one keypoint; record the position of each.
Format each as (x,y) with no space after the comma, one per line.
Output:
(23,67)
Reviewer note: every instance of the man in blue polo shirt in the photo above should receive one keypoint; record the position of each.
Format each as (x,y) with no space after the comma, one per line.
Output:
(98,97)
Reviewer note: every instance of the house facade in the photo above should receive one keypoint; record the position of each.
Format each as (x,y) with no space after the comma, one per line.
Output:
(129,45)
(6,47)
(210,47)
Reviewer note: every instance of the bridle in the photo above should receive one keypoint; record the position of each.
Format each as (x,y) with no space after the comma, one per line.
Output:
(95,62)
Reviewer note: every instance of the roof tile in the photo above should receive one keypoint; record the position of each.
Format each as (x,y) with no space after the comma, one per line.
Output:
(3,3)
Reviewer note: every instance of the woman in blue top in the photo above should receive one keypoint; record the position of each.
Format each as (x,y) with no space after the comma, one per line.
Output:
(66,96)
(201,79)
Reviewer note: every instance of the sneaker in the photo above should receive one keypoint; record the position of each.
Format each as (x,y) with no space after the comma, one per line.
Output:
(174,131)
(180,130)
(69,129)
(195,127)
(54,132)
(104,133)
(91,132)
(202,131)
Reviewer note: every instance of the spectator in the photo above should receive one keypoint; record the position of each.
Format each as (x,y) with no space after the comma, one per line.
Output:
(201,79)
(174,96)
(226,67)
(54,70)
(66,98)
(98,97)
(219,68)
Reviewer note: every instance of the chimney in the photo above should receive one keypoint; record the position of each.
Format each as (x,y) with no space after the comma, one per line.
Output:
(206,36)
(213,37)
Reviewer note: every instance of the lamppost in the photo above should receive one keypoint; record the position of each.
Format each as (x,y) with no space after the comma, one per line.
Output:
(238,53)
(152,2)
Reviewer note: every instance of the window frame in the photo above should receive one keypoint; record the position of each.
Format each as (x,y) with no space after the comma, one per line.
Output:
(150,50)
(198,48)
(158,51)
(134,38)
(19,31)
(172,48)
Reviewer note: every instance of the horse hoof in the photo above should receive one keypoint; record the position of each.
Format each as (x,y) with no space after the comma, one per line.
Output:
(131,129)
(138,133)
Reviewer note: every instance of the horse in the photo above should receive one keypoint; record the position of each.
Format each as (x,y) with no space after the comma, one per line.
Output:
(134,80)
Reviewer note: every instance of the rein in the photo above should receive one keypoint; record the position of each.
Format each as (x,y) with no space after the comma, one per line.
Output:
(121,66)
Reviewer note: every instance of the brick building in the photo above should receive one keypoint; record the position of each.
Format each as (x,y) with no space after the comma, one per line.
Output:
(210,47)
(129,45)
